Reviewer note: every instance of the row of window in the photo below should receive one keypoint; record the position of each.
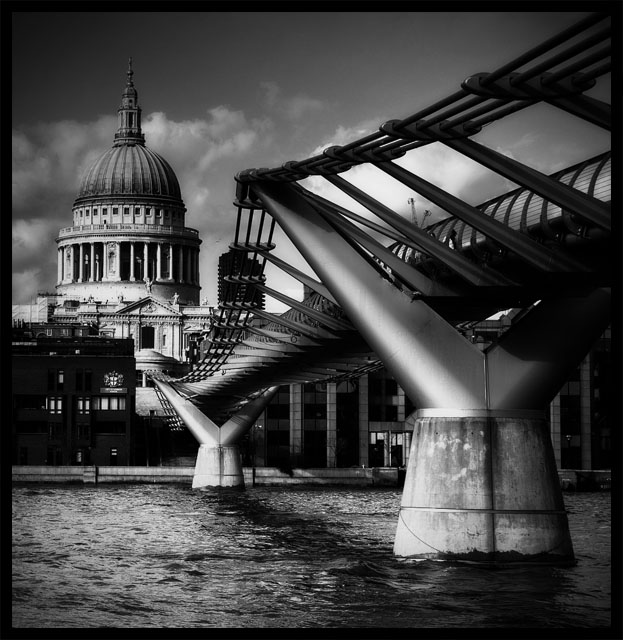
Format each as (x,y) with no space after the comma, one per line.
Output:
(149,211)
(100,403)
(54,404)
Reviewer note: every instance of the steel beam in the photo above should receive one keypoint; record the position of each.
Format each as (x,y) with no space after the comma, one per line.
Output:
(318,287)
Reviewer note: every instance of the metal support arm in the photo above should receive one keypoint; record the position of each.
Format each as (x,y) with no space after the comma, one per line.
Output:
(532,360)
(435,365)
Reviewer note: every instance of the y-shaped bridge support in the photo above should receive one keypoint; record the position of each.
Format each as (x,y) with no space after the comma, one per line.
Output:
(481,482)
(218,459)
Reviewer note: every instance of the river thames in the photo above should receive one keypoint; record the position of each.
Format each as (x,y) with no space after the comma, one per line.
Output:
(165,556)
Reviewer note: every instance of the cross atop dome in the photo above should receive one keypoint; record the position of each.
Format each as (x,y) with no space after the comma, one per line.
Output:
(130,72)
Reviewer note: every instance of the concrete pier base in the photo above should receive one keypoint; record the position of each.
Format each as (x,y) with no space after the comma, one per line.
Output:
(483,488)
(218,467)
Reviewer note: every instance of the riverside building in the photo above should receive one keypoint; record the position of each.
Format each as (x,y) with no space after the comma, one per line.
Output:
(73,398)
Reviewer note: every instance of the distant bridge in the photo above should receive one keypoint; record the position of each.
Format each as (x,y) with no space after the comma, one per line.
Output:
(481,482)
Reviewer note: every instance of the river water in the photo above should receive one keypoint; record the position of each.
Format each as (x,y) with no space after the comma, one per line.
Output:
(165,556)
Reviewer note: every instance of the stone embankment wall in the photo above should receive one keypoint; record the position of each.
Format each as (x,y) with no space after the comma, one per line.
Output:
(268,476)
(259,476)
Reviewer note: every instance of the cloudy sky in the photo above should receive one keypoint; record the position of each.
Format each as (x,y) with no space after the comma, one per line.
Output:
(223,92)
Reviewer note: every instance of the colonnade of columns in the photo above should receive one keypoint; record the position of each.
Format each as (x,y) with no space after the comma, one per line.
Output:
(123,261)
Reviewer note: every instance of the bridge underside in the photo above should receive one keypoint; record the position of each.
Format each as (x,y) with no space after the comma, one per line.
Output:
(481,482)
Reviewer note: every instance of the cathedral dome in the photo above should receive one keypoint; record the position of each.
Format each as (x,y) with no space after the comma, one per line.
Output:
(130,168)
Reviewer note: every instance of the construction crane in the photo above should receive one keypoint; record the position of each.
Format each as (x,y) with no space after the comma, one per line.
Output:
(411,201)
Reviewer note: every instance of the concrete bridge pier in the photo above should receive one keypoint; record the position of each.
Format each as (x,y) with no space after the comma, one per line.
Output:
(483,486)
(218,459)
(218,467)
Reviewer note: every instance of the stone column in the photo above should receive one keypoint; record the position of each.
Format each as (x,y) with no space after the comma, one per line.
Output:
(92,270)
(170,261)
(145,260)
(59,265)
(180,275)
(189,274)
(132,278)
(158,261)
(331,424)
(81,263)
(68,270)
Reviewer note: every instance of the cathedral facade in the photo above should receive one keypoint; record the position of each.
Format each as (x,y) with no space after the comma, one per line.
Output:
(129,265)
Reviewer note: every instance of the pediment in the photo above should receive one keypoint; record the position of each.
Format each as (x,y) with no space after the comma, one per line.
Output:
(147,306)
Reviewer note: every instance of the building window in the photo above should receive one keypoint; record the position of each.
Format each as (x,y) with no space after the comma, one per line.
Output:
(104,211)
(115,211)
(108,403)
(164,339)
(159,213)
(315,406)
(113,457)
(88,377)
(126,211)
(55,404)
(376,449)
(60,379)
(84,405)
(400,443)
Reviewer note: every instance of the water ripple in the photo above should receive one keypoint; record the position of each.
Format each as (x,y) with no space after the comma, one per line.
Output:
(166,556)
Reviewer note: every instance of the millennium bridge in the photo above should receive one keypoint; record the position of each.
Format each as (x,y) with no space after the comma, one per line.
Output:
(481,482)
